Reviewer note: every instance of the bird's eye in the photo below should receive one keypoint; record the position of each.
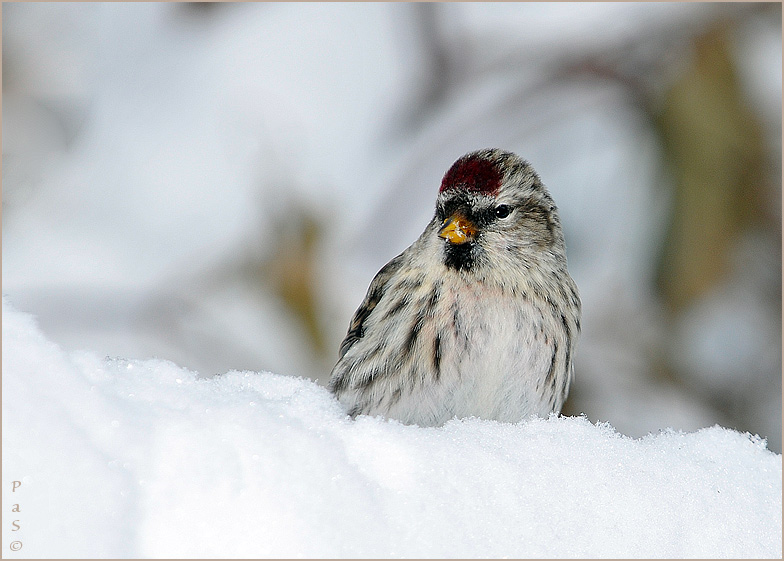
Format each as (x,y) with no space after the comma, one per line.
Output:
(502,211)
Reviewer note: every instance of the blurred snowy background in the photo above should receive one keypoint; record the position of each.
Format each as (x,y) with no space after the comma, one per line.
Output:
(217,184)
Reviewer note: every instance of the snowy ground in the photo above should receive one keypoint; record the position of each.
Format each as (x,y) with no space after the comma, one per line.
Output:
(126,458)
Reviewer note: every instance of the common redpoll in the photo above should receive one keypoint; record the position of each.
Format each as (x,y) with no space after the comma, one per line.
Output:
(478,317)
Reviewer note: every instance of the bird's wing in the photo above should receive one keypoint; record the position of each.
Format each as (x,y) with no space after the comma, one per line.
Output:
(373,297)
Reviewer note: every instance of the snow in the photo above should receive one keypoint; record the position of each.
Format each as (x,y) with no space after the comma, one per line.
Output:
(142,458)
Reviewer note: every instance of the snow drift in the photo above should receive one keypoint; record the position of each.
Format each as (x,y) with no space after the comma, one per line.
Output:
(130,458)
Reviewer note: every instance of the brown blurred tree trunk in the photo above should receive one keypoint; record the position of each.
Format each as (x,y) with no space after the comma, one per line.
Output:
(715,145)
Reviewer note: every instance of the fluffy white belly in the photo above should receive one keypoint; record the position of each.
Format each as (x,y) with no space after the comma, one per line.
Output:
(496,358)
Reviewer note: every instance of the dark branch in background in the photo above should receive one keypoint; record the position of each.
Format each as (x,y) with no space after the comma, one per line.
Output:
(435,79)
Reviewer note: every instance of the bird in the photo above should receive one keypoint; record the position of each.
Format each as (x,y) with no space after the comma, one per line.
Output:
(478,317)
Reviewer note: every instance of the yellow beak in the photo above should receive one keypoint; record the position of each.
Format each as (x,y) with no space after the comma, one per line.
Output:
(457,229)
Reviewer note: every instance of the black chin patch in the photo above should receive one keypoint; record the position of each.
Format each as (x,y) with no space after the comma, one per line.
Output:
(460,256)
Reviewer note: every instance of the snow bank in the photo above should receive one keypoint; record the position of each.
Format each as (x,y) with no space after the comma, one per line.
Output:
(140,458)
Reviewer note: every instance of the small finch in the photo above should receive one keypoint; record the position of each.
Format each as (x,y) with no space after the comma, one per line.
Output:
(478,317)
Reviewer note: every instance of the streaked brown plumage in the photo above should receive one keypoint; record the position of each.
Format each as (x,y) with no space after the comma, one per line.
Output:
(478,317)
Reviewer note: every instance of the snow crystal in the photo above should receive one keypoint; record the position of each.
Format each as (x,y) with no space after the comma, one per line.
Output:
(128,458)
